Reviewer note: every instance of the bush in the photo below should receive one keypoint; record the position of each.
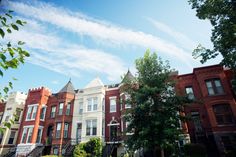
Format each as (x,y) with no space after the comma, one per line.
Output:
(195,150)
(50,156)
(93,148)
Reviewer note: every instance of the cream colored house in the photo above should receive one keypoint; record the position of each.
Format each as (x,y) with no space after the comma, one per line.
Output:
(14,106)
(89,114)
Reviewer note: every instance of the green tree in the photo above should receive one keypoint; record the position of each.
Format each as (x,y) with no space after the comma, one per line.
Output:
(11,54)
(222,15)
(92,148)
(154,117)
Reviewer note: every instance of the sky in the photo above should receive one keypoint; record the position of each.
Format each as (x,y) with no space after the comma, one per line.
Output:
(84,39)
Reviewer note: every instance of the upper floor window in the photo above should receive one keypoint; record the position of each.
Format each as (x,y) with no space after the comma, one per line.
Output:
(214,87)
(12,137)
(68,108)
(92,104)
(60,110)
(58,131)
(43,112)
(189,92)
(18,115)
(91,127)
(127,101)
(7,118)
(223,114)
(66,130)
(53,112)
(31,113)
(112,104)
(80,107)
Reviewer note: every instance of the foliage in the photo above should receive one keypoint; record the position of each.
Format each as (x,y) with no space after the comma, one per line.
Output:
(11,55)
(195,150)
(50,156)
(154,119)
(222,15)
(92,148)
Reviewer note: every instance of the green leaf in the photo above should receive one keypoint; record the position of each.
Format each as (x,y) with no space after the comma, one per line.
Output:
(10,85)
(3,57)
(8,125)
(8,30)
(10,11)
(6,89)
(12,53)
(15,79)
(2,33)
(8,15)
(4,19)
(9,44)
(1,73)
(19,22)
(15,27)
(21,43)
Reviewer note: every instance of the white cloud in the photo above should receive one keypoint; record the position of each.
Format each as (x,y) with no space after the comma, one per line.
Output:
(180,38)
(82,25)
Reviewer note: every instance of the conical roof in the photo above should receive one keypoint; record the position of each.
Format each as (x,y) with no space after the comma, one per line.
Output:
(68,88)
(94,83)
(128,76)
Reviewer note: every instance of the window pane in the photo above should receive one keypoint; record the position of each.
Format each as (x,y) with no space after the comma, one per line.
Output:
(30,132)
(112,105)
(42,115)
(223,114)
(24,135)
(53,111)
(38,140)
(189,92)
(68,109)
(60,109)
(94,125)
(29,112)
(88,126)
(11,138)
(210,88)
(95,104)
(34,112)
(89,104)
(219,87)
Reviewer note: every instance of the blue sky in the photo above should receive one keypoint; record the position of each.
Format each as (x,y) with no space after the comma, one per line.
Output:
(84,39)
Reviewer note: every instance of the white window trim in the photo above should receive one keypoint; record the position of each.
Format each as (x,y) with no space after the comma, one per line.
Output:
(41,128)
(92,104)
(115,124)
(113,98)
(91,127)
(33,106)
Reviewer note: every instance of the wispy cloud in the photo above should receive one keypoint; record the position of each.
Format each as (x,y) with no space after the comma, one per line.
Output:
(180,38)
(98,30)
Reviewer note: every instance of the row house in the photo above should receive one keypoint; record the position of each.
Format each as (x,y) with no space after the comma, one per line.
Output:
(11,110)
(89,115)
(213,111)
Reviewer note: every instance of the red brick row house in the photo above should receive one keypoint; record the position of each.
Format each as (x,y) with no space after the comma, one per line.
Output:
(213,111)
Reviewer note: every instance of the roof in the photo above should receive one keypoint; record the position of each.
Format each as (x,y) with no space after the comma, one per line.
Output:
(128,76)
(68,88)
(94,83)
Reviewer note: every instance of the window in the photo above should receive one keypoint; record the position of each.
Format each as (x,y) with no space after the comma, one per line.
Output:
(214,87)
(196,121)
(39,135)
(223,114)
(60,111)
(11,138)
(68,109)
(53,112)
(226,143)
(34,112)
(24,135)
(43,111)
(1,137)
(7,118)
(55,151)
(91,127)
(30,132)
(31,113)
(127,103)
(58,131)
(80,107)
(66,128)
(92,104)
(189,92)
(113,104)
(18,114)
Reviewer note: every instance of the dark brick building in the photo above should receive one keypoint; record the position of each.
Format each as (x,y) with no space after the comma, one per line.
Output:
(213,111)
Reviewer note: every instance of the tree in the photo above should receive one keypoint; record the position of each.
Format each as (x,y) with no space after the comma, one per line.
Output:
(92,148)
(222,15)
(154,117)
(11,55)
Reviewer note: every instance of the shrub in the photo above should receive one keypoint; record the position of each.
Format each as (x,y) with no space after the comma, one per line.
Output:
(195,150)
(92,148)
